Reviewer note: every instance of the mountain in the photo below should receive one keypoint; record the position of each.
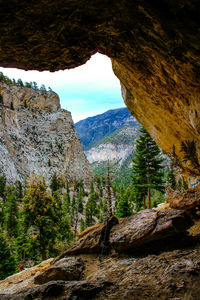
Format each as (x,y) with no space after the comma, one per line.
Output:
(110,137)
(36,135)
(93,129)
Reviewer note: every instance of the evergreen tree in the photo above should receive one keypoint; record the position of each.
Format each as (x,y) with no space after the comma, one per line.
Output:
(91,208)
(2,185)
(7,260)
(40,216)
(147,169)
(123,206)
(171,179)
(82,225)
(11,213)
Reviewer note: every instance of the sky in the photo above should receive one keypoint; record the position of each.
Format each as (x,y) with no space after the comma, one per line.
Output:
(85,91)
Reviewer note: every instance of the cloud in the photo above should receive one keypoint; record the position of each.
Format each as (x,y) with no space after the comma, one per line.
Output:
(85,91)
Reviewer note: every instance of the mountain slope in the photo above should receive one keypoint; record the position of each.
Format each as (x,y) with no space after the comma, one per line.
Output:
(93,129)
(117,148)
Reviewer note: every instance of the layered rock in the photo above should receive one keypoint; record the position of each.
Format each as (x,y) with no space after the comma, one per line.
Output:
(155,57)
(173,274)
(36,135)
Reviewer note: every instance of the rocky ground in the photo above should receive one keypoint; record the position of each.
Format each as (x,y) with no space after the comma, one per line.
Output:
(150,255)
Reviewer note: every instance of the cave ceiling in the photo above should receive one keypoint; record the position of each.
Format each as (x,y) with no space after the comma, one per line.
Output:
(154,47)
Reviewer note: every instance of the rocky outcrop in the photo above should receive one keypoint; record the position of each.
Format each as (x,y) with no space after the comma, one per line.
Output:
(149,231)
(174,274)
(155,57)
(187,200)
(67,269)
(60,290)
(95,239)
(36,135)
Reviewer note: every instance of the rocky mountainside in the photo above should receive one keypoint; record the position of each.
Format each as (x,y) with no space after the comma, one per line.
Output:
(36,135)
(150,255)
(93,129)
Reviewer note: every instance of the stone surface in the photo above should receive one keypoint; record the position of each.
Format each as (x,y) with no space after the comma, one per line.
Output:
(146,227)
(40,138)
(95,239)
(60,290)
(155,57)
(170,275)
(187,200)
(67,269)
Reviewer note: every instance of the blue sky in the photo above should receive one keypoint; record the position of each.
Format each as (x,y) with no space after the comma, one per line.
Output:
(85,91)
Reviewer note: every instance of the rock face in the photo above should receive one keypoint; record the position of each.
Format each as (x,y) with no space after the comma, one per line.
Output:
(65,269)
(119,146)
(146,227)
(155,57)
(169,275)
(38,136)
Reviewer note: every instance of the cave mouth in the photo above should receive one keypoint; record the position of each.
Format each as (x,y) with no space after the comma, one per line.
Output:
(85,91)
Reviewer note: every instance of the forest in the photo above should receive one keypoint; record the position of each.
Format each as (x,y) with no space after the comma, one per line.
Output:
(38,221)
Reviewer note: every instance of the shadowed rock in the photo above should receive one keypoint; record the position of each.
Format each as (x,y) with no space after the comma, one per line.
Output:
(93,240)
(76,290)
(149,226)
(65,269)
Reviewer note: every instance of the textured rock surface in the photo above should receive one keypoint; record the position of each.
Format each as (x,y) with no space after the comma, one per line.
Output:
(170,275)
(154,55)
(187,200)
(40,138)
(95,239)
(147,226)
(60,290)
(65,269)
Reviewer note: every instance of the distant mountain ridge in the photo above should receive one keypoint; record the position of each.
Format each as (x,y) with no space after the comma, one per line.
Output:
(94,129)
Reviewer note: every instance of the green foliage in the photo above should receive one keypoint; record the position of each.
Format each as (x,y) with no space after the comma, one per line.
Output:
(82,225)
(171,179)
(2,185)
(40,215)
(20,83)
(147,169)
(91,207)
(11,212)
(190,153)
(56,183)
(7,260)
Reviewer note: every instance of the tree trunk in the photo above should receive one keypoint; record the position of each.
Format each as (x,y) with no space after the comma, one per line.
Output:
(144,201)
(149,198)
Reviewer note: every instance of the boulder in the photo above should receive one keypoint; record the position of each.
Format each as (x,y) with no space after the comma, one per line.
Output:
(187,200)
(69,268)
(93,240)
(147,226)
(76,290)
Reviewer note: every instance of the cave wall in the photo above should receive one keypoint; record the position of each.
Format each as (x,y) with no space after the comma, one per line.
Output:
(154,47)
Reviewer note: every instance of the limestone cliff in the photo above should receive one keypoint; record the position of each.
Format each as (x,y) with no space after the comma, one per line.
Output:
(36,135)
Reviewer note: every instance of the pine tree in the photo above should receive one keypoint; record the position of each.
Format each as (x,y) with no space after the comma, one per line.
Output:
(7,260)
(147,169)
(171,179)
(82,225)
(11,213)
(2,185)
(91,208)
(123,206)
(40,216)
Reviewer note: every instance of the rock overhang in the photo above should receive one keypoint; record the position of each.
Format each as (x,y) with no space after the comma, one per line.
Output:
(154,47)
